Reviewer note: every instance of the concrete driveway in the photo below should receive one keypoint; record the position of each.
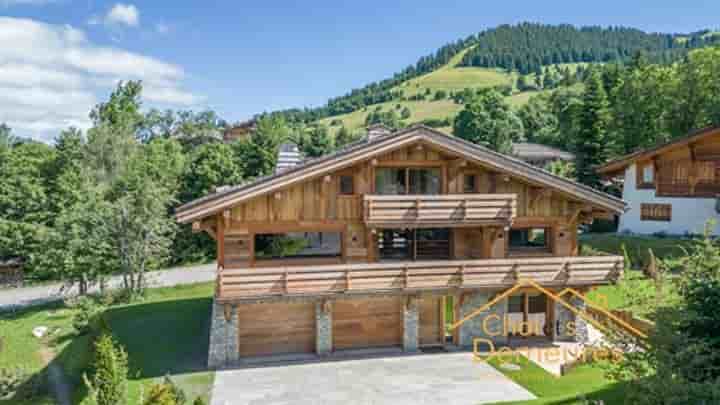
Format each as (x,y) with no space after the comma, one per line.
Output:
(444,378)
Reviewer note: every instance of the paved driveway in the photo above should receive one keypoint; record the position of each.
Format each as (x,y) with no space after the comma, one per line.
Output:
(446,378)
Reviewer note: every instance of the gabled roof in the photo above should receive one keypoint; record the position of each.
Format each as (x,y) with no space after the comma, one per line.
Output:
(366,149)
(648,153)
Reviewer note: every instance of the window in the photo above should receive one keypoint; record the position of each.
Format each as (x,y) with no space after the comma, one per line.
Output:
(414,244)
(645,176)
(469,181)
(297,245)
(391,181)
(346,185)
(655,212)
(529,240)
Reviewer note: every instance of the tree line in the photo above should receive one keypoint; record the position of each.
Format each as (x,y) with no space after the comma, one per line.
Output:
(524,48)
(619,108)
(100,202)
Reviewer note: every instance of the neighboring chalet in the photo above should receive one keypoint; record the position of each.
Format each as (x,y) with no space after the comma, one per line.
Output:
(364,248)
(240,130)
(671,188)
(540,155)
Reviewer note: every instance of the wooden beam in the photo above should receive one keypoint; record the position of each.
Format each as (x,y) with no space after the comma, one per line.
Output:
(536,194)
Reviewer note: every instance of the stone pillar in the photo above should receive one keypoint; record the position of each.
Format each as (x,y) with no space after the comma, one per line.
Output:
(563,317)
(223,349)
(411,324)
(323,327)
(478,327)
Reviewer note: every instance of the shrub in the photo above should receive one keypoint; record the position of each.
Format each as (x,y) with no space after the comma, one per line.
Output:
(108,384)
(11,379)
(198,401)
(160,394)
(87,315)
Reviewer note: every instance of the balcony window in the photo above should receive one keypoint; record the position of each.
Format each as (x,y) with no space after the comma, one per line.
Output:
(294,245)
(529,240)
(398,181)
(469,181)
(346,185)
(414,244)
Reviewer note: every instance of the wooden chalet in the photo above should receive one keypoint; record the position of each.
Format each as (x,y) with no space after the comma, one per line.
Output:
(671,188)
(366,247)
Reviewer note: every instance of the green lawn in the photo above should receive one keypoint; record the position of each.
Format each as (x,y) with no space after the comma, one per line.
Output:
(585,381)
(636,246)
(166,333)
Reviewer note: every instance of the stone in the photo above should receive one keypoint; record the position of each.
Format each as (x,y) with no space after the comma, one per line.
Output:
(477,327)
(411,325)
(563,316)
(510,367)
(223,348)
(323,328)
(39,331)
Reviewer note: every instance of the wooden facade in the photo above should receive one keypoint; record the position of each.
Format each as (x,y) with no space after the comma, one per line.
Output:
(415,214)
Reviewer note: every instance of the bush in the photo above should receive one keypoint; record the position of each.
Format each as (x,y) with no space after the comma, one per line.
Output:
(87,316)
(108,384)
(11,379)
(160,394)
(198,401)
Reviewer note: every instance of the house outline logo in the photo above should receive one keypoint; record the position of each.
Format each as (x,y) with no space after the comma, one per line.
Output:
(558,298)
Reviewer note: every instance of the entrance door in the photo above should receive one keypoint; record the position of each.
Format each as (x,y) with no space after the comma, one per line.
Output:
(362,323)
(431,321)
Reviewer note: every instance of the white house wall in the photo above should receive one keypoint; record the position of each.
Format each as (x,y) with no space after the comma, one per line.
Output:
(689,215)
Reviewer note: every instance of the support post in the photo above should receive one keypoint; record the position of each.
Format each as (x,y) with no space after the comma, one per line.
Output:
(411,325)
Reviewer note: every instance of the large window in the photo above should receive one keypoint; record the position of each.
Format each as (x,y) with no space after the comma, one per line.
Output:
(394,181)
(529,240)
(298,245)
(414,244)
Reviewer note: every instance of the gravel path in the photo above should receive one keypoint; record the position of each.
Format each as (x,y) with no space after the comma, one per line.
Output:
(28,296)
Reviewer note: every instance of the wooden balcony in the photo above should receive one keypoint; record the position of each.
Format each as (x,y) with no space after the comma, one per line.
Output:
(447,210)
(254,283)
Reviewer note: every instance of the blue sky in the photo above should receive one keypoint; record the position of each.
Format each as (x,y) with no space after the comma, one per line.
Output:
(244,57)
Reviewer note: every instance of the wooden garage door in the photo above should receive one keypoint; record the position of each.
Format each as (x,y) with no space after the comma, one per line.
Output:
(431,329)
(276,328)
(367,322)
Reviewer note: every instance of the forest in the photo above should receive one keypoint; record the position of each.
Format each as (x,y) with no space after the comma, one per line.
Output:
(525,48)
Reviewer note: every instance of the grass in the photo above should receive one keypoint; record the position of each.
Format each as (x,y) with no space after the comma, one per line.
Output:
(637,246)
(165,334)
(584,381)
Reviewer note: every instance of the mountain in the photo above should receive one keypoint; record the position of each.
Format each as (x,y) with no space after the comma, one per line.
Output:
(496,57)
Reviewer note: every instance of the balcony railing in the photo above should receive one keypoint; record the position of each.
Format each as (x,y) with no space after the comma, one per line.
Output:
(255,283)
(441,210)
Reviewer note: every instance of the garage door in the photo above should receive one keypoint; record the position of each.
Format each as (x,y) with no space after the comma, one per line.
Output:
(367,323)
(276,329)
(431,329)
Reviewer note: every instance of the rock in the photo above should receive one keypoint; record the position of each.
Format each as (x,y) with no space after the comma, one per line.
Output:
(39,331)
(510,367)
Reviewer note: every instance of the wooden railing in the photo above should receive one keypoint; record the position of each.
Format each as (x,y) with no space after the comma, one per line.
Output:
(429,275)
(446,209)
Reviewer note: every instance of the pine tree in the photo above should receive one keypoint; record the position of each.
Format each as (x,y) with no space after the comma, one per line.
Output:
(593,121)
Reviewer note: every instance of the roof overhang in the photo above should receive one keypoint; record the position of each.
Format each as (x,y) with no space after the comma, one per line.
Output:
(479,155)
(620,164)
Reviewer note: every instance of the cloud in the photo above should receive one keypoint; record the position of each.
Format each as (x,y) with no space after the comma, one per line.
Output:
(52,75)
(126,14)
(119,15)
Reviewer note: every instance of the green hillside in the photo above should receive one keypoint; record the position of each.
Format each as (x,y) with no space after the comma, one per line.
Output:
(450,78)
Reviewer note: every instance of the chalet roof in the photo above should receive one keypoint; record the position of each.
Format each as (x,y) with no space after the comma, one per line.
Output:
(364,149)
(536,151)
(648,153)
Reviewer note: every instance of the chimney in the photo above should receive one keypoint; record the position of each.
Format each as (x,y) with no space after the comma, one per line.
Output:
(375,131)
(288,156)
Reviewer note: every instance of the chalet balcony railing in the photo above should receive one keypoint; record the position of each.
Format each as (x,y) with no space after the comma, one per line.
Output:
(440,210)
(255,283)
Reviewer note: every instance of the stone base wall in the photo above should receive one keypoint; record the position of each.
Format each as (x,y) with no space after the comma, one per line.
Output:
(411,325)
(563,317)
(478,326)
(223,336)
(323,328)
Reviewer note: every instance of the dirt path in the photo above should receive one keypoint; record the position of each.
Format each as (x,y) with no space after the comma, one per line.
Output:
(59,386)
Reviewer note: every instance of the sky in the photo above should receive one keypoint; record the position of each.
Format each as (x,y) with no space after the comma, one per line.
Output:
(58,58)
